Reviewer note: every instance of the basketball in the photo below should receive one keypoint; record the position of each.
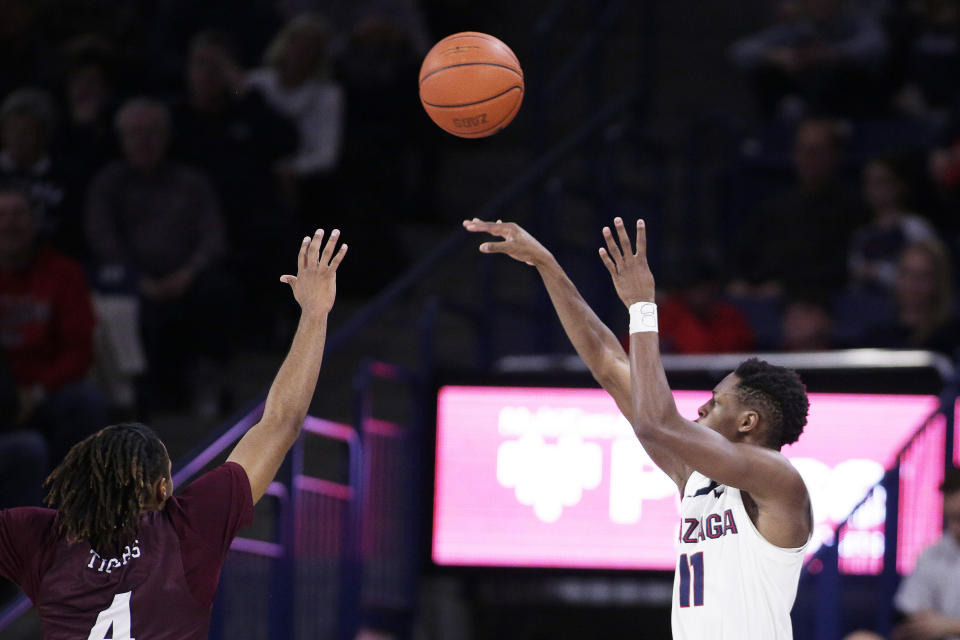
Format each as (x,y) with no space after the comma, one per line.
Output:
(471,84)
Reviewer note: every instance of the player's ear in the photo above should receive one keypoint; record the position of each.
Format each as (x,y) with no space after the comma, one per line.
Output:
(749,422)
(161,489)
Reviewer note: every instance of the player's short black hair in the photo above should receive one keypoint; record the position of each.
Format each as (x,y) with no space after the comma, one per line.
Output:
(951,481)
(778,395)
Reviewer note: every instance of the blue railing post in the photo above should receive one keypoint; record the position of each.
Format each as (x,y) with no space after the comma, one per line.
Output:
(828,593)
(283,577)
(889,577)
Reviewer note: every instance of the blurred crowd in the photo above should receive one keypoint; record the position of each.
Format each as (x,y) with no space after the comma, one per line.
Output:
(159,162)
(156,158)
(844,228)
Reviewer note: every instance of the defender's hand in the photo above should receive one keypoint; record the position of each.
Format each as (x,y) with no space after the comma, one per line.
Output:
(630,272)
(517,243)
(315,285)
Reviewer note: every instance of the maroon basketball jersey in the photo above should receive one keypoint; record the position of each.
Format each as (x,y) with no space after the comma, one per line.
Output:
(161,586)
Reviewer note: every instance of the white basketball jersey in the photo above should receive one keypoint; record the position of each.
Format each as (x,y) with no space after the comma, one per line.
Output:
(731,583)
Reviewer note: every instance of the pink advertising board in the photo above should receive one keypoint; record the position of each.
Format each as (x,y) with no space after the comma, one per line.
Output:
(554,477)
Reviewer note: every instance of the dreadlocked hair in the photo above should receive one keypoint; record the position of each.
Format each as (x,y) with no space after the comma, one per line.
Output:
(104,483)
(778,394)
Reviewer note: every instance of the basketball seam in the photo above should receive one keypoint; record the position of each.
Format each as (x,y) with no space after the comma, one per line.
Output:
(471,64)
(482,37)
(470,104)
(512,112)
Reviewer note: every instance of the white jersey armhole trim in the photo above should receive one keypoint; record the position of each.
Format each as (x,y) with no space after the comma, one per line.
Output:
(769,545)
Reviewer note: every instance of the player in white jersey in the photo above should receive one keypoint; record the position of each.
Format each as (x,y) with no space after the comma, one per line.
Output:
(745,512)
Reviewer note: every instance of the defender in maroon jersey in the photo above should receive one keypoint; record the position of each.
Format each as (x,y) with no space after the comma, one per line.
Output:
(118,556)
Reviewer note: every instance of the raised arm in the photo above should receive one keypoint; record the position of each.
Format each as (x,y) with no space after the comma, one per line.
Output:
(766,475)
(262,449)
(596,345)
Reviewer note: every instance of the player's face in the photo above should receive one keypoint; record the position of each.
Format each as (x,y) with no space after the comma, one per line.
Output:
(951,514)
(722,412)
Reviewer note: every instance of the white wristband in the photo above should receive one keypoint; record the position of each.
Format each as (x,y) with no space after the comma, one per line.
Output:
(643,317)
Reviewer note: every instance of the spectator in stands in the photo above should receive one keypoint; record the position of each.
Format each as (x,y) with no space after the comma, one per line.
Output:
(171,25)
(875,247)
(824,55)
(930,596)
(806,325)
(85,141)
(384,129)
(158,224)
(27,119)
(228,130)
(46,331)
(385,136)
(697,319)
(296,82)
(927,43)
(796,241)
(926,317)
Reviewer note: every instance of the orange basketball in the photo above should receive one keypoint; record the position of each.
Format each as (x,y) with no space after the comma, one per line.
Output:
(471,84)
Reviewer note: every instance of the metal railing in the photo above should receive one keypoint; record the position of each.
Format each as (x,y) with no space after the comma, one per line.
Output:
(909,492)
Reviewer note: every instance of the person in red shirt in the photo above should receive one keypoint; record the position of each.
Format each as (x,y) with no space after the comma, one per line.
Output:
(118,556)
(46,330)
(697,319)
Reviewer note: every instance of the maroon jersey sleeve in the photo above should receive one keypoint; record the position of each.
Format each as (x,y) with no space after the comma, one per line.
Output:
(207,516)
(24,543)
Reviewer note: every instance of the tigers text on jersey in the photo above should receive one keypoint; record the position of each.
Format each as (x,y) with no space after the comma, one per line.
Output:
(730,583)
(159,587)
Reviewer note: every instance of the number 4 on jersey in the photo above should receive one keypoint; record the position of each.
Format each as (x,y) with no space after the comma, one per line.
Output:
(115,617)
(696,563)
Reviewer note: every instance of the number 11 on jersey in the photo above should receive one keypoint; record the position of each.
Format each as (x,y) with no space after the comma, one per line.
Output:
(696,565)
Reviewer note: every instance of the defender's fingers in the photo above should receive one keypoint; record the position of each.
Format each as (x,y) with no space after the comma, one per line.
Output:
(612,247)
(493,228)
(302,257)
(475,223)
(607,262)
(641,239)
(328,248)
(493,247)
(287,279)
(313,255)
(337,259)
(622,236)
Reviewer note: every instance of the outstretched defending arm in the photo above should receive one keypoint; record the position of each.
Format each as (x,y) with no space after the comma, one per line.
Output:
(596,345)
(765,474)
(262,449)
